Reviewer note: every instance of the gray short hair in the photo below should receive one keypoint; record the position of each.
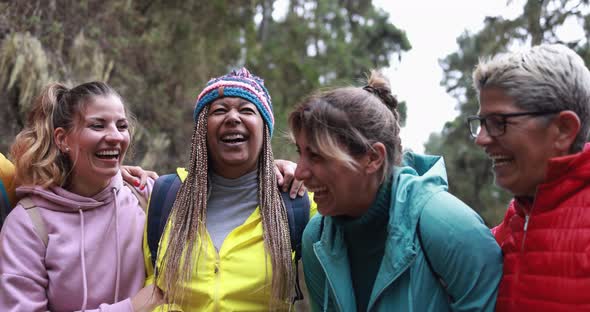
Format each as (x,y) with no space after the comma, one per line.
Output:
(544,77)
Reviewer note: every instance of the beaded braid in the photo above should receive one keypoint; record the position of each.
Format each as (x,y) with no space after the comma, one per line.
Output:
(188,218)
(275,227)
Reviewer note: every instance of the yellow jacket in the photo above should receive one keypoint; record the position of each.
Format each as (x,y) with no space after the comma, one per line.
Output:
(7,187)
(237,278)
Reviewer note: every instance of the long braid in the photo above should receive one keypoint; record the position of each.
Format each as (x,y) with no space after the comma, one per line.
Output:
(275,227)
(188,219)
(188,216)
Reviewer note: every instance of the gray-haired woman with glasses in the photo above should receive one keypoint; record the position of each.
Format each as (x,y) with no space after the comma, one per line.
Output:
(533,123)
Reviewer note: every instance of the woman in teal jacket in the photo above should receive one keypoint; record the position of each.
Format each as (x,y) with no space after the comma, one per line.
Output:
(390,237)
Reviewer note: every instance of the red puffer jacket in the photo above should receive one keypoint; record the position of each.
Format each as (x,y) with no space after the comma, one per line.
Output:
(546,242)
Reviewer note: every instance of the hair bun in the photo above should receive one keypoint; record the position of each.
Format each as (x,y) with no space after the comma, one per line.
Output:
(383,93)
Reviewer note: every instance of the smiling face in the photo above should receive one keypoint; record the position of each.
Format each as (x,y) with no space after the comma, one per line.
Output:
(520,156)
(97,145)
(234,136)
(338,189)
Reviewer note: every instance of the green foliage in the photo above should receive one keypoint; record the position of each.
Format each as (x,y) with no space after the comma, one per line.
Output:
(468,167)
(159,54)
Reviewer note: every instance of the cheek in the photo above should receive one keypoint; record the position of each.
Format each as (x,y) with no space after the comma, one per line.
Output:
(127,139)
(209,138)
(258,133)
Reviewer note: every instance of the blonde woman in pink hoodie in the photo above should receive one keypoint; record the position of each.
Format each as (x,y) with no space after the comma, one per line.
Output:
(74,241)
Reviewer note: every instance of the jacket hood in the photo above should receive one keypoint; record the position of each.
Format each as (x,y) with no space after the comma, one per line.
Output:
(415,182)
(59,199)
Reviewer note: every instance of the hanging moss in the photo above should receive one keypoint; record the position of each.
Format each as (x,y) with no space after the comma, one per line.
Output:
(23,65)
(88,61)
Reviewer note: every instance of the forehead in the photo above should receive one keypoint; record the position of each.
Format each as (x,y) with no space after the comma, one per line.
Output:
(303,140)
(104,107)
(496,100)
(231,101)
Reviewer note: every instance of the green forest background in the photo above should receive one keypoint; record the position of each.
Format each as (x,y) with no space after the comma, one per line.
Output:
(159,54)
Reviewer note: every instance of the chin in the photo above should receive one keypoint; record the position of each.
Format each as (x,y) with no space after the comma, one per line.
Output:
(106,174)
(327,212)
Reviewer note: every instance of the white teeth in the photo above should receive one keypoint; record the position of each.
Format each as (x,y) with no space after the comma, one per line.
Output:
(233,136)
(317,189)
(500,157)
(500,160)
(108,153)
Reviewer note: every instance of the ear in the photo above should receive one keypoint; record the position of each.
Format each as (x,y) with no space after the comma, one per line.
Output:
(375,158)
(60,137)
(568,126)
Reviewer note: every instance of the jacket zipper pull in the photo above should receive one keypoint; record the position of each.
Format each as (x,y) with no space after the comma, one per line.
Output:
(526,225)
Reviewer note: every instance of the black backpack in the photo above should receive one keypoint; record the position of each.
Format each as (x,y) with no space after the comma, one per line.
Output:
(162,200)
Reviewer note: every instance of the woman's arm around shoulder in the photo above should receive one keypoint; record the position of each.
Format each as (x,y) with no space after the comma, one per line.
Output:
(462,251)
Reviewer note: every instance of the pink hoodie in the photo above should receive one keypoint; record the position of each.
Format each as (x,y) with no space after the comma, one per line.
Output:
(93,258)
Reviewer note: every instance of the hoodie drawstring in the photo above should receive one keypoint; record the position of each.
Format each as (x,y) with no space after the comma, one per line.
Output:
(117,246)
(82,256)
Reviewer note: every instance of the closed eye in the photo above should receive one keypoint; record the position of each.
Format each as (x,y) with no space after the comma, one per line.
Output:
(248,110)
(218,111)
(96,126)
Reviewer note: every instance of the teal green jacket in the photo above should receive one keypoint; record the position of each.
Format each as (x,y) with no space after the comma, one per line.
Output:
(459,246)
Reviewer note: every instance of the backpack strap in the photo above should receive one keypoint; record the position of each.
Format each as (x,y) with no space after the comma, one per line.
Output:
(436,274)
(140,197)
(38,224)
(5,206)
(161,202)
(298,216)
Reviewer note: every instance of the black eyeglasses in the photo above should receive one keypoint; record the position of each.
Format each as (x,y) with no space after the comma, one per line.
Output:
(496,123)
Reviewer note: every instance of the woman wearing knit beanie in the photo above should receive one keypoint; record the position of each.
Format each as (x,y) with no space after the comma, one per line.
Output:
(226,244)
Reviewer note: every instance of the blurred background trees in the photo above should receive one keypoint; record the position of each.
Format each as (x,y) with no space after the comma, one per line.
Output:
(159,54)
(468,167)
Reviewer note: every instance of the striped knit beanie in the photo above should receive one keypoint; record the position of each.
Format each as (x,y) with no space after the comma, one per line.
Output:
(238,83)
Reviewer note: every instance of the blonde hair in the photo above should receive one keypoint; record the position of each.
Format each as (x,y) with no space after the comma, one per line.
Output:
(344,122)
(37,158)
(189,214)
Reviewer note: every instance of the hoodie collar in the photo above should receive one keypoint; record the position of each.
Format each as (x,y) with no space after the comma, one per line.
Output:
(59,199)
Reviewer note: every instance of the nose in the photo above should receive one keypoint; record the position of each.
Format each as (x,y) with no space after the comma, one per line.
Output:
(483,137)
(302,172)
(113,135)
(233,117)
